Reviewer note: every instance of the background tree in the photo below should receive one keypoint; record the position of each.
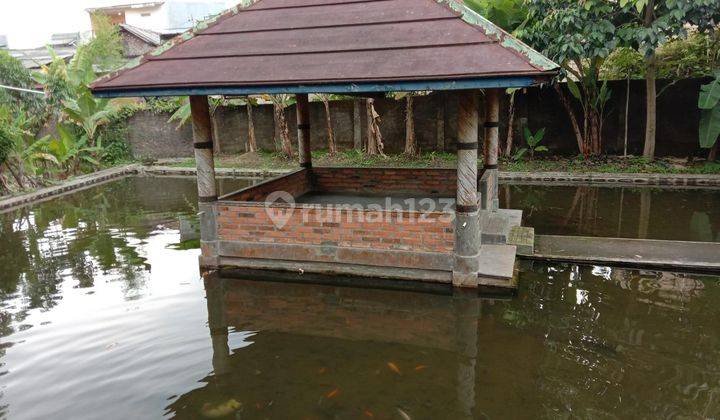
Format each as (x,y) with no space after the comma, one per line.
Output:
(251,142)
(374,144)
(652,23)
(512,16)
(579,35)
(105,51)
(325,98)
(280,102)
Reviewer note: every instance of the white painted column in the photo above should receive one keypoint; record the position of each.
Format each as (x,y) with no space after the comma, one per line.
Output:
(467,228)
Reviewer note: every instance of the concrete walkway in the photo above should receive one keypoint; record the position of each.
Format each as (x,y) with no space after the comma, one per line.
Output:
(657,254)
(76,184)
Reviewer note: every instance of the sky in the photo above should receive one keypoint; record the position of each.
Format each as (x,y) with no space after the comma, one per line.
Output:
(30,23)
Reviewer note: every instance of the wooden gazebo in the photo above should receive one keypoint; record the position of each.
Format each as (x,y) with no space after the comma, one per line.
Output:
(353,47)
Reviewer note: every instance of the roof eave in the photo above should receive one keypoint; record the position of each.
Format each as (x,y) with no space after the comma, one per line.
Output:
(518,81)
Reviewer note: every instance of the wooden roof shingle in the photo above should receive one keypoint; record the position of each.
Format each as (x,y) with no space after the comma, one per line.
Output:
(342,46)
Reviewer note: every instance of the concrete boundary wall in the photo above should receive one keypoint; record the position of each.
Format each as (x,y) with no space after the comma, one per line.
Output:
(151,135)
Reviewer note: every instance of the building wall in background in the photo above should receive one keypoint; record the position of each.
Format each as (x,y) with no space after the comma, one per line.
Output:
(436,123)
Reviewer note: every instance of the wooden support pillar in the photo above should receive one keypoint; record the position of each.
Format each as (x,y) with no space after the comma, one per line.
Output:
(207,187)
(489,184)
(217,321)
(467,312)
(467,228)
(302,107)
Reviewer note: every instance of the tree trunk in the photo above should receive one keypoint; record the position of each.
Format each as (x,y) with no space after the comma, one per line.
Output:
(411,148)
(650,90)
(627,114)
(281,123)
(573,119)
(651,107)
(712,156)
(331,135)
(594,131)
(251,143)
(511,126)
(371,148)
(357,130)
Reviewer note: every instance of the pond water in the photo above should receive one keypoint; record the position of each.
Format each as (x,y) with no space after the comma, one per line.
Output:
(646,213)
(103,314)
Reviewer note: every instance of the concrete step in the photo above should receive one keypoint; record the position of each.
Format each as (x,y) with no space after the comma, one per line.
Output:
(495,226)
(497,267)
(645,253)
(523,238)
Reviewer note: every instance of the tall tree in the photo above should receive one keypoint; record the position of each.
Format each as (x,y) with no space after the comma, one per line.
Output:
(280,102)
(579,35)
(332,149)
(652,23)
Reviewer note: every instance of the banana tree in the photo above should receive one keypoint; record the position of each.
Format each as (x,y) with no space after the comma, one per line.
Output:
(71,151)
(88,112)
(709,104)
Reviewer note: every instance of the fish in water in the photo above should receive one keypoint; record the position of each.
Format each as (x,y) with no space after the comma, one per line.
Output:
(220,410)
(392,366)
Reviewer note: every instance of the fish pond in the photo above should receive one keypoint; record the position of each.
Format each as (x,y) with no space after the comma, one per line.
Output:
(103,314)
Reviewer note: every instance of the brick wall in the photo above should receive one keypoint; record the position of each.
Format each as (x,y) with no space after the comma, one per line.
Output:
(421,181)
(296,183)
(327,226)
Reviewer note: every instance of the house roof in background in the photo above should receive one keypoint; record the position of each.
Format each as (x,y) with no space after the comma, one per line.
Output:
(146,35)
(296,46)
(38,57)
(70,38)
(121,7)
(3,42)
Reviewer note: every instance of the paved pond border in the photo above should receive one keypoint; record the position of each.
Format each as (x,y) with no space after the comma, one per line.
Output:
(536,178)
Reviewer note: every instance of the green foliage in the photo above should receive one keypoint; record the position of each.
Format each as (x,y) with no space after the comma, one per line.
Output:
(646,30)
(695,56)
(105,51)
(533,144)
(510,15)
(72,150)
(709,104)
(12,73)
(623,63)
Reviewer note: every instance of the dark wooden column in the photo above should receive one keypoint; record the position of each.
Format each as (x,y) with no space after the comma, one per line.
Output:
(489,188)
(207,187)
(467,228)
(203,144)
(303,125)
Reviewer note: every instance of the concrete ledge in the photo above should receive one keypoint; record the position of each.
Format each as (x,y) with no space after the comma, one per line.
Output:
(330,254)
(329,268)
(234,172)
(76,184)
(608,179)
(644,253)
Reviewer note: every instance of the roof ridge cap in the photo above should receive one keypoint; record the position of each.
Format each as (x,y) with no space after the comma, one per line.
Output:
(504,38)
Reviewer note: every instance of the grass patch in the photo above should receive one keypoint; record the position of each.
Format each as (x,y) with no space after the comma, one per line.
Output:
(605,164)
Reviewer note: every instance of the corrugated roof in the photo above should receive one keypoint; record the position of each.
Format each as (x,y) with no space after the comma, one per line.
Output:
(320,42)
(146,35)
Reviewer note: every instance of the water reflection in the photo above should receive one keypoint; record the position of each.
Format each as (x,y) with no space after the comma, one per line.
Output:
(99,233)
(646,213)
(102,316)
(578,342)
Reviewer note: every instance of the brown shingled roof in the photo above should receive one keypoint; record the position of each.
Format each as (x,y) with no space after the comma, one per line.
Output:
(293,42)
